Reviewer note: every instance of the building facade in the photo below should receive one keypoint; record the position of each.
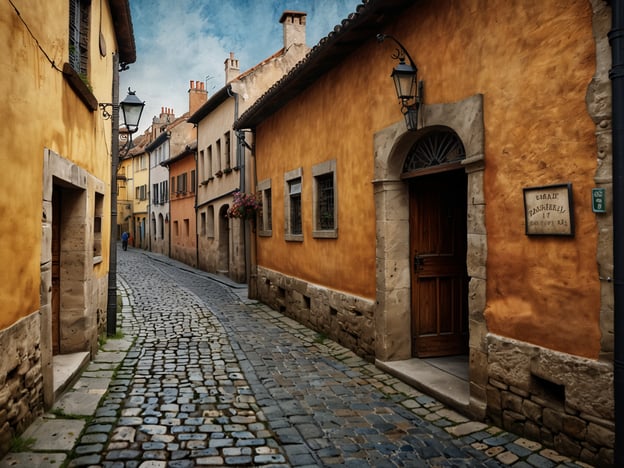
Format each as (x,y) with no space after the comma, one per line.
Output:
(183,183)
(53,293)
(473,235)
(140,230)
(125,197)
(225,164)
(170,135)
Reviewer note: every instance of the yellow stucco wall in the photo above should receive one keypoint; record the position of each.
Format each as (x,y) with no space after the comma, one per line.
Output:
(532,61)
(41,111)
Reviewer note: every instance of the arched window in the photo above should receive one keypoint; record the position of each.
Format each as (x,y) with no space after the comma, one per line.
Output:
(439,146)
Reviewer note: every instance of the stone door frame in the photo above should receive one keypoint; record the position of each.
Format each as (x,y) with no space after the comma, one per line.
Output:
(393,288)
(78,327)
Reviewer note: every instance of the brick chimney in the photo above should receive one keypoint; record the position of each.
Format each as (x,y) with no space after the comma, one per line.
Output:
(294,25)
(197,95)
(232,69)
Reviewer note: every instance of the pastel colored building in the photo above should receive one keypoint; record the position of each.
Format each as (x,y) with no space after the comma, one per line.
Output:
(182,224)
(225,163)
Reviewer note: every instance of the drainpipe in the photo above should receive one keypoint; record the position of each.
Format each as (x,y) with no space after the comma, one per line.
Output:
(240,160)
(111,307)
(196,195)
(616,39)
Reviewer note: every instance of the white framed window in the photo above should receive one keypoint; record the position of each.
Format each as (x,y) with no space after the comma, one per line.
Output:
(293,219)
(266,219)
(324,200)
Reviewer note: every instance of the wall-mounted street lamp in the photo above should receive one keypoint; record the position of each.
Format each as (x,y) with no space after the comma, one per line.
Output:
(131,110)
(408,89)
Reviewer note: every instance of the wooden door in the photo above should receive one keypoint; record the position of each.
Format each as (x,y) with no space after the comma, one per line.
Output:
(438,261)
(56,271)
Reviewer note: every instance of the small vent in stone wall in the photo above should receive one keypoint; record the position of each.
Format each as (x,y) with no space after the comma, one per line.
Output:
(553,392)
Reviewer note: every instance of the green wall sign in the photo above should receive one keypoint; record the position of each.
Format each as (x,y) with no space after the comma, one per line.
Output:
(599,204)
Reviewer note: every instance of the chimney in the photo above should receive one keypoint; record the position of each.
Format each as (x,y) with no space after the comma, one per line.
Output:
(232,69)
(294,25)
(197,95)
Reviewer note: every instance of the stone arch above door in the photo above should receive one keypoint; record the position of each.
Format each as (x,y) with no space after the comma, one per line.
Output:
(391,146)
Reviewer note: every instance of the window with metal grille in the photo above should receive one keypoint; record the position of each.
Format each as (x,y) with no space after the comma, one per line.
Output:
(293,222)
(324,200)
(440,146)
(294,192)
(267,205)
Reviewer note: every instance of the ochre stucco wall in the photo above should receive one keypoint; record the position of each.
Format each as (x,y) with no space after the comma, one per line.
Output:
(532,61)
(41,111)
(183,246)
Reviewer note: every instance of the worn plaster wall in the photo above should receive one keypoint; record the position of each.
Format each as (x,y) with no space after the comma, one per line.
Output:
(45,116)
(533,76)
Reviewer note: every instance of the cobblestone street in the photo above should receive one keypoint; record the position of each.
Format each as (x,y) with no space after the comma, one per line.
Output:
(213,378)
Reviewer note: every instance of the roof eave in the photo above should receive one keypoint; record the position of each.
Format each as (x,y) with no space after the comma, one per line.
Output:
(363,25)
(211,104)
(122,22)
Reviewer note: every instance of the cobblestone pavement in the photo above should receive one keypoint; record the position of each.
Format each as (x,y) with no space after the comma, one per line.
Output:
(216,379)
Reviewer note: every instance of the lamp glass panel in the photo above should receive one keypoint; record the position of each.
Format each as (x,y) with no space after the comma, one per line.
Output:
(404,77)
(132,108)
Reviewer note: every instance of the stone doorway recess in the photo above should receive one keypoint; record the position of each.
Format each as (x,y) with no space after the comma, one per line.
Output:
(391,145)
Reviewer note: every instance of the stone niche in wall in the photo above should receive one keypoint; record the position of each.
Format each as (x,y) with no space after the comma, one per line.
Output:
(564,401)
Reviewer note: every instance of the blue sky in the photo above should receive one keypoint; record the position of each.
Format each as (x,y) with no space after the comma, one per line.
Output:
(183,40)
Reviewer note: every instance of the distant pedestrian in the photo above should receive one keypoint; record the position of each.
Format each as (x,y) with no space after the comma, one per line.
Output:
(124,240)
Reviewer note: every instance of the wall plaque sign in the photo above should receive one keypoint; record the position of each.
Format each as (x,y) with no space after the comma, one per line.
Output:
(548,210)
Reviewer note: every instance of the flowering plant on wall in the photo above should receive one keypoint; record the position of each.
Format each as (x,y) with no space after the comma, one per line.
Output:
(244,205)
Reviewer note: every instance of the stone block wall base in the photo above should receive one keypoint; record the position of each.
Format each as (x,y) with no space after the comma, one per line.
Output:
(563,401)
(21,379)
(346,319)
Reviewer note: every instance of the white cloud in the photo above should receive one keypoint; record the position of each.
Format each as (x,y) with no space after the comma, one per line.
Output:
(183,40)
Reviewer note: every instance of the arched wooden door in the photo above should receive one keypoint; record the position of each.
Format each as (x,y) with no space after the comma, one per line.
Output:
(438,239)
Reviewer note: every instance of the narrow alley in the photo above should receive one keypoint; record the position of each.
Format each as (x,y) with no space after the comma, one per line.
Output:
(213,378)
